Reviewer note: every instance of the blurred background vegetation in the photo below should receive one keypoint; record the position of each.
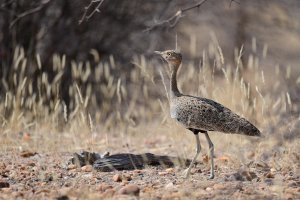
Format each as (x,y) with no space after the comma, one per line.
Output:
(55,69)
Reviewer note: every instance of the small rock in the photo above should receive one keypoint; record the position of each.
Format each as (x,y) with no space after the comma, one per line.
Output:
(196,170)
(71,166)
(108,193)
(32,164)
(292,190)
(42,191)
(124,182)
(234,177)
(269,181)
(87,168)
(148,189)
(272,170)
(250,155)
(169,186)
(269,175)
(48,178)
(117,178)
(162,173)
(137,171)
(130,190)
(219,187)
(88,176)
(224,159)
(6,190)
(127,177)
(209,189)
(27,154)
(170,170)
(103,187)
(4,184)
(249,175)
(205,158)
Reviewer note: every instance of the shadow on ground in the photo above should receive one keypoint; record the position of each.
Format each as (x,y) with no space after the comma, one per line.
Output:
(124,161)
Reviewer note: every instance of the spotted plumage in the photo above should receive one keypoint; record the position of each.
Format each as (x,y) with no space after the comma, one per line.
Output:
(208,115)
(200,114)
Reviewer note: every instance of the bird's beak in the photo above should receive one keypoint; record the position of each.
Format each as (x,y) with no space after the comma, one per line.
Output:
(158,52)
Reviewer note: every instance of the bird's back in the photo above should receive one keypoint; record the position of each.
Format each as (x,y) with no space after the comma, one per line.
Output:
(208,115)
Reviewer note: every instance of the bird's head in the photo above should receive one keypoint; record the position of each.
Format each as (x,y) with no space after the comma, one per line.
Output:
(173,57)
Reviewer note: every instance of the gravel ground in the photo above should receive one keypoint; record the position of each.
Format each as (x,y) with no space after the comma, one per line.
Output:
(32,175)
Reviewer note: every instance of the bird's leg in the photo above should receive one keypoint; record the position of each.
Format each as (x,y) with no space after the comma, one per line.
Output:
(198,149)
(211,150)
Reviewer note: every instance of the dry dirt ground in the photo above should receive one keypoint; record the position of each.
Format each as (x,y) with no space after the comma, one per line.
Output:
(34,175)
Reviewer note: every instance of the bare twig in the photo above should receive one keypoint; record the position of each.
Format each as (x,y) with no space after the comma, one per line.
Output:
(28,12)
(87,13)
(172,21)
(234,1)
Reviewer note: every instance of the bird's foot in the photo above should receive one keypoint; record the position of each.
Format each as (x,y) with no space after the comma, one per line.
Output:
(186,173)
(211,176)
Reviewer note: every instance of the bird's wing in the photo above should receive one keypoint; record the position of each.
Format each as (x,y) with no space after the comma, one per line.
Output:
(206,114)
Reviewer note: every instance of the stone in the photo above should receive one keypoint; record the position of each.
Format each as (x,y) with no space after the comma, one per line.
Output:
(108,193)
(130,190)
(87,168)
(163,173)
(124,182)
(269,175)
(26,154)
(103,187)
(117,178)
(71,166)
(169,186)
(218,186)
(170,170)
(127,177)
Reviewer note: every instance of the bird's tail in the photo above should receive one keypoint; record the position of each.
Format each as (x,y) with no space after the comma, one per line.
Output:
(249,129)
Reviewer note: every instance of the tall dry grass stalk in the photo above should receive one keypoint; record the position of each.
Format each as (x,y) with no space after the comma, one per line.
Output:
(110,108)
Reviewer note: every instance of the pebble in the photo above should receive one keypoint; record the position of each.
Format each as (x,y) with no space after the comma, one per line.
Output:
(130,190)
(124,182)
(127,177)
(26,154)
(163,173)
(208,189)
(117,178)
(6,190)
(269,175)
(87,168)
(219,187)
(42,191)
(292,190)
(170,170)
(273,170)
(137,171)
(169,186)
(103,187)
(108,193)
(72,166)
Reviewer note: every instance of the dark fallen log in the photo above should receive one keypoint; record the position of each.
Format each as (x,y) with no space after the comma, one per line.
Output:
(125,161)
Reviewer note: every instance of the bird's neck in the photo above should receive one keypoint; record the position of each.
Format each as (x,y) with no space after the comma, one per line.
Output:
(174,92)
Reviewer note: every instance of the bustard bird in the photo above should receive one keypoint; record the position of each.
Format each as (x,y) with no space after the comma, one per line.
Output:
(200,114)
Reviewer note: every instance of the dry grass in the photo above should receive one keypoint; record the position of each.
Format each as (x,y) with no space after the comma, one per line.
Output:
(129,111)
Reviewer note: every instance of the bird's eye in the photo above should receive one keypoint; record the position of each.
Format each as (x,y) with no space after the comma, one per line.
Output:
(169,54)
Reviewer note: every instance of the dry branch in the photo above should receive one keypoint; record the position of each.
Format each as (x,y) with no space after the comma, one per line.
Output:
(18,17)
(87,15)
(173,20)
